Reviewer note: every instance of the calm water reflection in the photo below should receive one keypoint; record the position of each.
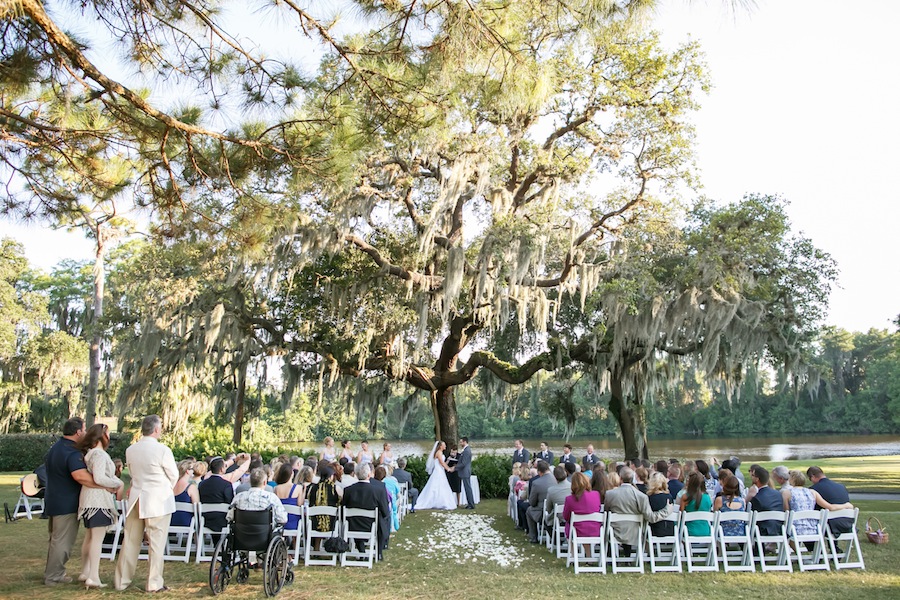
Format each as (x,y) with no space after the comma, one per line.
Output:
(748,448)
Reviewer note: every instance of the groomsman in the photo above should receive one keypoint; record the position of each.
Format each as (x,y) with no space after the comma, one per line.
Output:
(520,455)
(567,456)
(545,454)
(590,459)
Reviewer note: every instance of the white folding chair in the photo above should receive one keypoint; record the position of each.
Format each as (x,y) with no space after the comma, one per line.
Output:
(403,501)
(700,547)
(366,556)
(780,559)
(743,555)
(844,559)
(206,537)
(664,551)
(312,556)
(817,558)
(181,538)
(295,537)
(587,553)
(112,542)
(559,533)
(542,527)
(28,503)
(614,558)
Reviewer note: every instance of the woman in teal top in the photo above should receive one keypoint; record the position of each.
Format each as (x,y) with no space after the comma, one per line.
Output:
(696,499)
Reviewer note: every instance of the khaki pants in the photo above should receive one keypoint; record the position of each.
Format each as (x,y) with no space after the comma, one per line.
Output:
(157,529)
(63,531)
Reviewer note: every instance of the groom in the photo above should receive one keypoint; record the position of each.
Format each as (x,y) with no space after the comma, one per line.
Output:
(463,468)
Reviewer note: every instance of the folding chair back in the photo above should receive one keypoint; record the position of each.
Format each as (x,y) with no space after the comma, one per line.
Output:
(843,559)
(735,548)
(559,533)
(364,557)
(664,551)
(295,537)
(320,556)
(772,550)
(180,542)
(112,542)
(587,553)
(615,559)
(817,557)
(700,550)
(206,537)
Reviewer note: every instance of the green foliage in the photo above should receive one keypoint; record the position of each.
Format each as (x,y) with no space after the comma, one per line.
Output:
(493,475)
(24,452)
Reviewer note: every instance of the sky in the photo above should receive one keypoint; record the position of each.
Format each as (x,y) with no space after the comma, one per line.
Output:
(803,105)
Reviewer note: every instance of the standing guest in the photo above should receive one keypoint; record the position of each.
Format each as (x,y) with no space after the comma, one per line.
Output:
(150,502)
(346,451)
(365,456)
(674,484)
(96,505)
(387,456)
(217,489)
(583,501)
(288,493)
(590,459)
(66,474)
(832,492)
(520,454)
(366,496)
(567,456)
(545,454)
(452,477)
(329,454)
(404,476)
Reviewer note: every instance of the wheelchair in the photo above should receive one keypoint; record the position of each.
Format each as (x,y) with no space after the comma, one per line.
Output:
(251,531)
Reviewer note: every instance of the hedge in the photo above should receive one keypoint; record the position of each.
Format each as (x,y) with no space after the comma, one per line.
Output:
(26,451)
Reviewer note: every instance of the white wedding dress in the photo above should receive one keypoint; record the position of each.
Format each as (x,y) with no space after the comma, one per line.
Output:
(437,493)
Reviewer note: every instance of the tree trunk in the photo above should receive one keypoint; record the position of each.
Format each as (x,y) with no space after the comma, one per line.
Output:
(446,423)
(631,419)
(239,403)
(90,409)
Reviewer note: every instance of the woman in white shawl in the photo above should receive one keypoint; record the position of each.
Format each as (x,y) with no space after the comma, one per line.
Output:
(437,493)
(97,506)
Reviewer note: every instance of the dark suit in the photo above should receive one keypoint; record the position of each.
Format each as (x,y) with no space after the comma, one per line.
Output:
(402,477)
(834,493)
(215,490)
(464,471)
(768,499)
(368,495)
(567,458)
(520,456)
(588,462)
(547,457)
(675,486)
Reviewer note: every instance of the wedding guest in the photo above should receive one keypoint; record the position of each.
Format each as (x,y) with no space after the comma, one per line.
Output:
(288,493)
(120,466)
(324,493)
(798,498)
(557,494)
(305,478)
(626,499)
(583,501)
(258,497)
(367,496)
(674,483)
(150,504)
(403,476)
(696,499)
(536,496)
(709,482)
(640,479)
(731,501)
(217,489)
(571,468)
(832,492)
(185,490)
(600,483)
(660,496)
(201,469)
(96,506)
(383,474)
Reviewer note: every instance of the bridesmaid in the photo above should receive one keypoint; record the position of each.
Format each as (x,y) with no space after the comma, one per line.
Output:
(328,454)
(365,455)
(346,451)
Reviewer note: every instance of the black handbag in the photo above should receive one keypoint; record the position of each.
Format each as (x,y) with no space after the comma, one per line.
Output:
(336,545)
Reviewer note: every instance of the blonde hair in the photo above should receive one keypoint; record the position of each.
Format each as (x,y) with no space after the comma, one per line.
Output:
(200,468)
(183,467)
(614,480)
(797,478)
(657,484)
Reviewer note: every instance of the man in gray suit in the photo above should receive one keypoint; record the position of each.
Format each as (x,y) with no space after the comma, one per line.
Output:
(627,499)
(557,494)
(463,468)
(539,488)
(404,476)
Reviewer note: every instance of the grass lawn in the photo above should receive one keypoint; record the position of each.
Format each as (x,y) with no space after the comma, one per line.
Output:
(427,562)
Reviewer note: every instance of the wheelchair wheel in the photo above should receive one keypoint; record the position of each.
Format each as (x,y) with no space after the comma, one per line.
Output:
(275,568)
(220,566)
(243,568)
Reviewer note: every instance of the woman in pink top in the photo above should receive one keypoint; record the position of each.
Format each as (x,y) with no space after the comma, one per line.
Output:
(583,501)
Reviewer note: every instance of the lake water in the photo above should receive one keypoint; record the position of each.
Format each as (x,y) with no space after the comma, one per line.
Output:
(749,449)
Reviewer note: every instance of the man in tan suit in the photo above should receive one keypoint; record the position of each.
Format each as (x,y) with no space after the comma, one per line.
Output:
(150,504)
(627,499)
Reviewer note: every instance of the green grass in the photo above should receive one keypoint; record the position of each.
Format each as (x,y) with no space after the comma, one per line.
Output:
(406,573)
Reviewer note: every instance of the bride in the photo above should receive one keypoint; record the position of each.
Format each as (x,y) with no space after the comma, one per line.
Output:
(437,493)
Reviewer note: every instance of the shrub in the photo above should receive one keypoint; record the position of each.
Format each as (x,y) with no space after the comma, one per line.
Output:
(26,451)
